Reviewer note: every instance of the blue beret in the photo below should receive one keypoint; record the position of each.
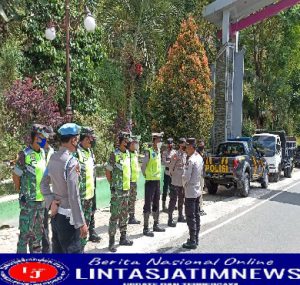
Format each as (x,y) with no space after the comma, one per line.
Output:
(69,129)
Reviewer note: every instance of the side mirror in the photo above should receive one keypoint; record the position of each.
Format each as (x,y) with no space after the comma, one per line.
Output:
(278,147)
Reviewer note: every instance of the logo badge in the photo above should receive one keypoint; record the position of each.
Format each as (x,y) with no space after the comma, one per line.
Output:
(33,271)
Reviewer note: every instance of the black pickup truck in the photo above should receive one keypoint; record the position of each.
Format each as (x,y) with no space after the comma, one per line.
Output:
(236,163)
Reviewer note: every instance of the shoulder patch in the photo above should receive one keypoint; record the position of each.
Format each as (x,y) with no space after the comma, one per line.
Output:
(28,150)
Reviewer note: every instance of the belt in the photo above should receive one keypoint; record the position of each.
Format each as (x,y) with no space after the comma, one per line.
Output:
(65,212)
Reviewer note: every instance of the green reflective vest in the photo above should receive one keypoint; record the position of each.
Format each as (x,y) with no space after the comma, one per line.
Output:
(121,171)
(134,160)
(35,165)
(87,168)
(153,168)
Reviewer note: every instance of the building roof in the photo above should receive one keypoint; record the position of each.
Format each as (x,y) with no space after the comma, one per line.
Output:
(239,9)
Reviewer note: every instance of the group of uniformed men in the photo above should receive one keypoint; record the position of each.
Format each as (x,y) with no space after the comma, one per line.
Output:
(63,183)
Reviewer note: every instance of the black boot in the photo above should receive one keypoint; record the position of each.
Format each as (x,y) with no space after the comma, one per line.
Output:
(132,220)
(124,240)
(197,237)
(111,246)
(156,227)
(146,231)
(93,236)
(190,244)
(171,223)
(181,219)
(164,208)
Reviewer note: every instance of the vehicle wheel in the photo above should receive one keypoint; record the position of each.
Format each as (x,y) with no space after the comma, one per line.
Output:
(265,181)
(212,188)
(274,177)
(288,173)
(244,191)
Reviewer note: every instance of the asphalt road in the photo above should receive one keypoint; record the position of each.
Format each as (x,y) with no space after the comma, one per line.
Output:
(271,225)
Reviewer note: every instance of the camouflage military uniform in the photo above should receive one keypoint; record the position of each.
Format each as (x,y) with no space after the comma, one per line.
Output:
(119,195)
(32,206)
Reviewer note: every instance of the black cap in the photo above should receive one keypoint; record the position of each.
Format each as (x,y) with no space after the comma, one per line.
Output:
(87,131)
(170,140)
(191,141)
(182,140)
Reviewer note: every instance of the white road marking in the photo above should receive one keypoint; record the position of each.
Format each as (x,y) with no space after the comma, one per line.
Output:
(245,212)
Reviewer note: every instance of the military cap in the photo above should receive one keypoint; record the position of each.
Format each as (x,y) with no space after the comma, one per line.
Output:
(69,129)
(182,140)
(48,132)
(87,131)
(124,135)
(37,128)
(157,135)
(191,141)
(170,141)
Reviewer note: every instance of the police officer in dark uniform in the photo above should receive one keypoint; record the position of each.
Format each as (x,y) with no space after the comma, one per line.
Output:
(166,160)
(192,185)
(63,200)
(151,169)
(178,161)
(201,151)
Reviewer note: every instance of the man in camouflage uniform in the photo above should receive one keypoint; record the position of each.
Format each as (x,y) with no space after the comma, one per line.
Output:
(86,158)
(178,161)
(166,159)
(134,162)
(27,176)
(118,175)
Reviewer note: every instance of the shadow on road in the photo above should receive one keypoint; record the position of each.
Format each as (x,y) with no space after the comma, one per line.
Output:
(288,198)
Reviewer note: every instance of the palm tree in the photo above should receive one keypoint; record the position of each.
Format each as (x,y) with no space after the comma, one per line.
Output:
(136,36)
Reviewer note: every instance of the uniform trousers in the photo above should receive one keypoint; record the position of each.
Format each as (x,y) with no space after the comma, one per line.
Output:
(118,211)
(31,226)
(152,196)
(192,212)
(166,187)
(45,239)
(65,238)
(176,193)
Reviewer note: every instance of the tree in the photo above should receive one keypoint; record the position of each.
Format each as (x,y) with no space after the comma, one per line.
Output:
(272,66)
(135,35)
(180,104)
(26,105)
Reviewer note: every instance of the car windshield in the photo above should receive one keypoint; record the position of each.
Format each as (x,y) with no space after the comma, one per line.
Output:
(268,144)
(231,149)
